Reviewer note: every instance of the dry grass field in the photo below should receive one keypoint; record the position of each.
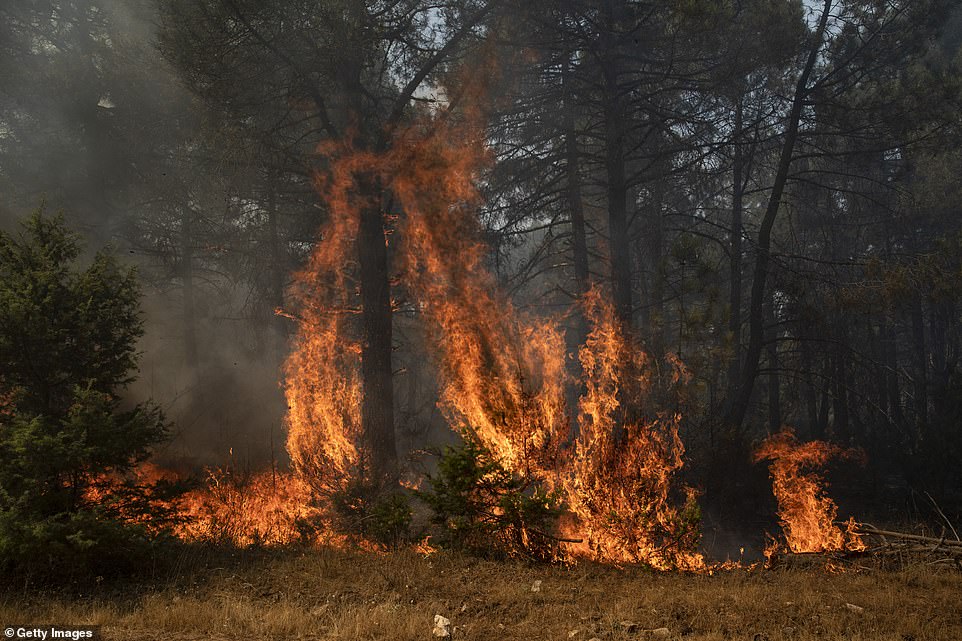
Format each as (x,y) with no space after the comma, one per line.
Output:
(334,594)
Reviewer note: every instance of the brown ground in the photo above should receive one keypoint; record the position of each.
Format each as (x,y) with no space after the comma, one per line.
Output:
(331,594)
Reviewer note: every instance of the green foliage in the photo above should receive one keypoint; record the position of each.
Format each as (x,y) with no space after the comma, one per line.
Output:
(483,508)
(391,518)
(67,345)
(366,510)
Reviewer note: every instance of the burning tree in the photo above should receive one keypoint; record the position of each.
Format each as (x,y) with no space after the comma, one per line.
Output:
(354,74)
(502,371)
(400,193)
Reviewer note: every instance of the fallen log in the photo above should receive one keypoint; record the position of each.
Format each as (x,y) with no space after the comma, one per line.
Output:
(807,560)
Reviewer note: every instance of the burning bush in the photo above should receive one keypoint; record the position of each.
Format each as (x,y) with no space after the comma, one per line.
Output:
(267,508)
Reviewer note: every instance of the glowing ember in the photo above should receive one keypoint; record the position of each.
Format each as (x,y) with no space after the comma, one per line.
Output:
(807,514)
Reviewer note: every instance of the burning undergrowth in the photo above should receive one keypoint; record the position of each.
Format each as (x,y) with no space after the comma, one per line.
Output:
(621,472)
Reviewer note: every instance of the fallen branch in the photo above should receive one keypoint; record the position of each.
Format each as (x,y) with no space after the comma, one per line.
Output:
(555,538)
(937,542)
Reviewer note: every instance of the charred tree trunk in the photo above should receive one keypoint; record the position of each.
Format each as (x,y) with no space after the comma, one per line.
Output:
(377,375)
(377,404)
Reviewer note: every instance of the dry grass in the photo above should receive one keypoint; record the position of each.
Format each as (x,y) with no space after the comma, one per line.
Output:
(331,594)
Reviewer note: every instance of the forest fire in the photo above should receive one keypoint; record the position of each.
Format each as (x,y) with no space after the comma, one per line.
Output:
(807,513)
(502,376)
(410,319)
(502,372)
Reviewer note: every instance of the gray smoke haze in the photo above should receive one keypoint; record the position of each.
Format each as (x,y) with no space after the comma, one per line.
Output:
(94,122)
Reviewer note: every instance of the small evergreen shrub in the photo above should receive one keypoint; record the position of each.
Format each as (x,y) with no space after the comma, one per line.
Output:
(481,507)
(369,511)
(68,337)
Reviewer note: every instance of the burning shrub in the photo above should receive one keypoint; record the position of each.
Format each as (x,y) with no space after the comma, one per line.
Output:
(67,344)
(267,508)
(483,508)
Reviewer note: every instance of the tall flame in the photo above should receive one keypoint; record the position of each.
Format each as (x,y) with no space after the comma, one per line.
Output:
(502,371)
(618,479)
(322,374)
(807,514)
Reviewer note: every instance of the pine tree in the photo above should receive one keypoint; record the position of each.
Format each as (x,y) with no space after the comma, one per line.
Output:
(68,336)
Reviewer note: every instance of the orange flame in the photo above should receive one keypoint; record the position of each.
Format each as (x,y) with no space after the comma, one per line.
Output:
(322,378)
(619,478)
(807,514)
(266,508)
(502,371)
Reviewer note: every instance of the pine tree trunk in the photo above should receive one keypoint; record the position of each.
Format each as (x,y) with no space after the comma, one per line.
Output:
(377,404)
(617,188)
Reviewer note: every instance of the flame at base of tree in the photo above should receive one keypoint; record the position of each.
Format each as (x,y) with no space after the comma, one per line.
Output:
(807,514)
(502,371)
(322,373)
